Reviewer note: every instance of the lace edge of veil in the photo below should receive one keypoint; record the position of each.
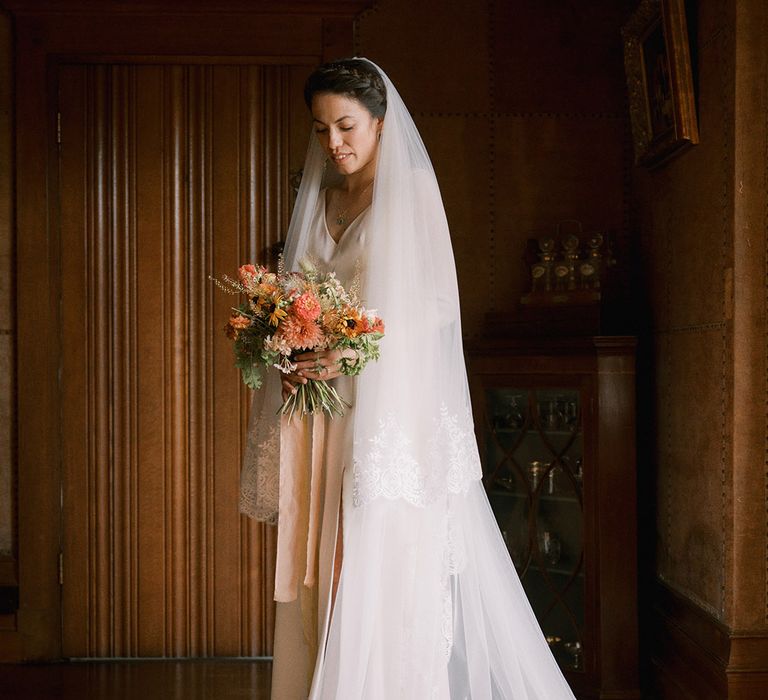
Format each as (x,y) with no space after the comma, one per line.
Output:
(260,479)
(390,467)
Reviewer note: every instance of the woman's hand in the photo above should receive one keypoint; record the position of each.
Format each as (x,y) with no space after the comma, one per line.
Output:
(322,364)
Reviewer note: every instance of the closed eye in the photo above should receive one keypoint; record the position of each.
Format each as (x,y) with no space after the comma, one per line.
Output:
(320,130)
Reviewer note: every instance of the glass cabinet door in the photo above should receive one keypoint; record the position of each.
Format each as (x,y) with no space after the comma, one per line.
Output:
(533,467)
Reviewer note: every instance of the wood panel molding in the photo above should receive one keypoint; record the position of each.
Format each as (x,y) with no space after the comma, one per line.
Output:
(696,657)
(324,8)
(168,174)
(49,35)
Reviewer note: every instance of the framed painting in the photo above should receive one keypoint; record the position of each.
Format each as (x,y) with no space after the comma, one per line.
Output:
(659,81)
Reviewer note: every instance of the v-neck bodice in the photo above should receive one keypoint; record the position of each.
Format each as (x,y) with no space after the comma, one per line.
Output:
(340,257)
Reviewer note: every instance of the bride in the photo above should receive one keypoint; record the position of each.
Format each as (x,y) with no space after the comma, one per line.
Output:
(392,578)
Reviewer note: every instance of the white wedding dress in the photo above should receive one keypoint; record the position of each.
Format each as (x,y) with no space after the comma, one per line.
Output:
(391,632)
(429,605)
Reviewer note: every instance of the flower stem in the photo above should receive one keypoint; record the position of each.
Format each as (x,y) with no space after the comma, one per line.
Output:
(316,396)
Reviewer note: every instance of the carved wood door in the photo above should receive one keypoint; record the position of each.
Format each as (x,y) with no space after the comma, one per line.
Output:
(167,173)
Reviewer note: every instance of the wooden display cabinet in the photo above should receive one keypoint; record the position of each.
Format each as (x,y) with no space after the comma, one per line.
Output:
(555,422)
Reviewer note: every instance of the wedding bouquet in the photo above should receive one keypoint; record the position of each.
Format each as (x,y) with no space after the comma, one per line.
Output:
(287,313)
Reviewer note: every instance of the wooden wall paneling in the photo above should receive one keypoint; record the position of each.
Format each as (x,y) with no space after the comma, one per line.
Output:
(282,37)
(239,9)
(337,38)
(230,155)
(175,174)
(8,575)
(149,525)
(48,35)
(74,361)
(708,628)
(37,394)
(99,356)
(201,327)
(748,597)
(225,211)
(265,208)
(120,315)
(168,173)
(616,484)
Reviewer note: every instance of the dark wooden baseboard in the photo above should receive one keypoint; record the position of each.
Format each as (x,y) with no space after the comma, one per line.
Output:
(696,657)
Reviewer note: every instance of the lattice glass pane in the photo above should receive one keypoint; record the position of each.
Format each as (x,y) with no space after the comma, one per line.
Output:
(533,464)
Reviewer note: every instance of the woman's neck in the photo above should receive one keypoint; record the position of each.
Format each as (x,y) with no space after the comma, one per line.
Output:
(355,183)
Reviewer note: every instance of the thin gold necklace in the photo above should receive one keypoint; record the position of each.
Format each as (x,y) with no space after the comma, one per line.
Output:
(340,220)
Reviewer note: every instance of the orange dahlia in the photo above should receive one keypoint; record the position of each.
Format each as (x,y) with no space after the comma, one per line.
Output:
(301,335)
(306,307)
(239,321)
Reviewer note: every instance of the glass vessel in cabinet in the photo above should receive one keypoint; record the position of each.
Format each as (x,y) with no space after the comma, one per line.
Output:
(533,462)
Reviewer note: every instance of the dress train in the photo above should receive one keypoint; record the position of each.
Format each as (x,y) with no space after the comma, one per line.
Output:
(414,621)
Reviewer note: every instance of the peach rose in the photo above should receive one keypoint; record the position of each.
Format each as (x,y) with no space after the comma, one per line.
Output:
(247,272)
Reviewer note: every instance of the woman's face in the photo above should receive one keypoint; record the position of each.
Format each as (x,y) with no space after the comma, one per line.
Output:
(347,131)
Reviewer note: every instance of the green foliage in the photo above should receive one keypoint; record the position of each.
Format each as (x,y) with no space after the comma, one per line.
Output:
(367,348)
(247,362)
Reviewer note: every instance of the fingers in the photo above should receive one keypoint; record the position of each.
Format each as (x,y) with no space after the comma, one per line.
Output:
(315,355)
(313,361)
(316,365)
(305,365)
(323,369)
(293,379)
(309,356)
(349,354)
(316,369)
(327,374)
(288,389)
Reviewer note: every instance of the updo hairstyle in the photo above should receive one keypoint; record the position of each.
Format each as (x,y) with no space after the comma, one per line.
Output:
(352,77)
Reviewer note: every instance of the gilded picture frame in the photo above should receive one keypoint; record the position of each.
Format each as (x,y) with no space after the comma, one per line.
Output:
(657,62)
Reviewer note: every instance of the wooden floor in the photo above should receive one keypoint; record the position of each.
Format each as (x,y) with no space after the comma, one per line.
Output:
(197,679)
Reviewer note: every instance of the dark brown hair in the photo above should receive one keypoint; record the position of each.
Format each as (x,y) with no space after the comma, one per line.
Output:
(352,77)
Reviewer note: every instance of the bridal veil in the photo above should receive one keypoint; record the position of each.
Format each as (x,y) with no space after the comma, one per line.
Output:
(429,604)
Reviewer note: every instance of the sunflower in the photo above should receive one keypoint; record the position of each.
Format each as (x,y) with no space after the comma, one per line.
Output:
(351,324)
(274,312)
